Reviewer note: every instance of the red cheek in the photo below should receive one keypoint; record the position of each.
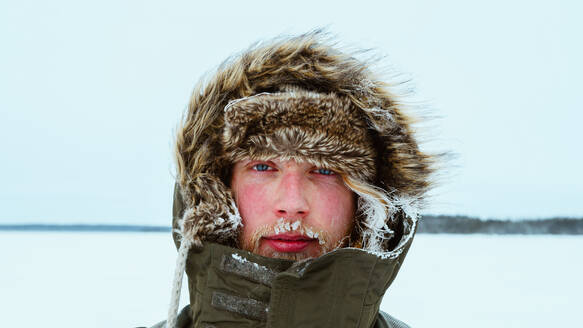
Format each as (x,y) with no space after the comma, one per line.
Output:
(253,204)
(338,208)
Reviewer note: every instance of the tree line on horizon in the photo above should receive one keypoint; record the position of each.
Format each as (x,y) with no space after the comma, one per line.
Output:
(459,224)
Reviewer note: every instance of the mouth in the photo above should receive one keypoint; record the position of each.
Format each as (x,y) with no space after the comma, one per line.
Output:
(289,243)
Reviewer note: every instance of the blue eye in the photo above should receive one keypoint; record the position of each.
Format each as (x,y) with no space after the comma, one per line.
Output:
(261,167)
(325,172)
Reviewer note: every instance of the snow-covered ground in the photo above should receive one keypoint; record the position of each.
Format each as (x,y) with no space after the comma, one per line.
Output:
(123,280)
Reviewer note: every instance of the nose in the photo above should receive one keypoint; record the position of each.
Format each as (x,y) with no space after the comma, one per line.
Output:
(292,197)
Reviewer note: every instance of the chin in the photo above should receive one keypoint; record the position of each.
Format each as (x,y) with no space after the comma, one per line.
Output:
(289,256)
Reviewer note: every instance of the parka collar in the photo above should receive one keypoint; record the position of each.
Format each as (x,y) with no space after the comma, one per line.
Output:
(234,288)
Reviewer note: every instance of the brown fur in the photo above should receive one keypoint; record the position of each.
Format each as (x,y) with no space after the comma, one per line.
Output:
(325,130)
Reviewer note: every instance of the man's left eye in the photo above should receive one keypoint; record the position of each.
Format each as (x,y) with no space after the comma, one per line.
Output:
(325,171)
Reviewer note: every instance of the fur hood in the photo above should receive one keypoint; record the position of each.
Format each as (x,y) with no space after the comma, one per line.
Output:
(297,98)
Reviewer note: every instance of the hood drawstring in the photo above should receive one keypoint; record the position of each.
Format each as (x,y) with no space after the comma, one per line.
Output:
(185,246)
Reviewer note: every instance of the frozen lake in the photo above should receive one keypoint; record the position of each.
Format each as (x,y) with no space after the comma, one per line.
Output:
(123,280)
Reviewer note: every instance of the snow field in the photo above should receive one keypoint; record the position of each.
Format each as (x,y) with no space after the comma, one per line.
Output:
(489,281)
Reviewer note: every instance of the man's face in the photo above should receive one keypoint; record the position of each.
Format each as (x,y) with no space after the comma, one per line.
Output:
(291,210)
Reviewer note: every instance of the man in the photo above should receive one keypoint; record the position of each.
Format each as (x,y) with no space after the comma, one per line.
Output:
(298,189)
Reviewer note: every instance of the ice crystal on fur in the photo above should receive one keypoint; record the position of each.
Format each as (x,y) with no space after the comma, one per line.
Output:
(380,208)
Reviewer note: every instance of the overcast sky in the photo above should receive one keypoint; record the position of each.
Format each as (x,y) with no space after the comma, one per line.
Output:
(91,93)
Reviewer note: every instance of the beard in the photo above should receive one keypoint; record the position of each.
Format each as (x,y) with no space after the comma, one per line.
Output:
(322,242)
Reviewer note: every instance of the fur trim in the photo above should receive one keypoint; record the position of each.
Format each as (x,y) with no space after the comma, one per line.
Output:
(323,129)
(302,98)
(211,214)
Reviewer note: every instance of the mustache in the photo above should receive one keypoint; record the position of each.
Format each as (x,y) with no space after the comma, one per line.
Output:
(283,225)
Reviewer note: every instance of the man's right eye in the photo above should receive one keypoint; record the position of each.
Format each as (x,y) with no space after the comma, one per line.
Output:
(261,167)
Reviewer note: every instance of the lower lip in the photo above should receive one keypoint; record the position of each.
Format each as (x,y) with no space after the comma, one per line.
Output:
(288,246)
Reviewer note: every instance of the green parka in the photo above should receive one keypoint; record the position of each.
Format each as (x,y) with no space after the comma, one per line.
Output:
(235,288)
